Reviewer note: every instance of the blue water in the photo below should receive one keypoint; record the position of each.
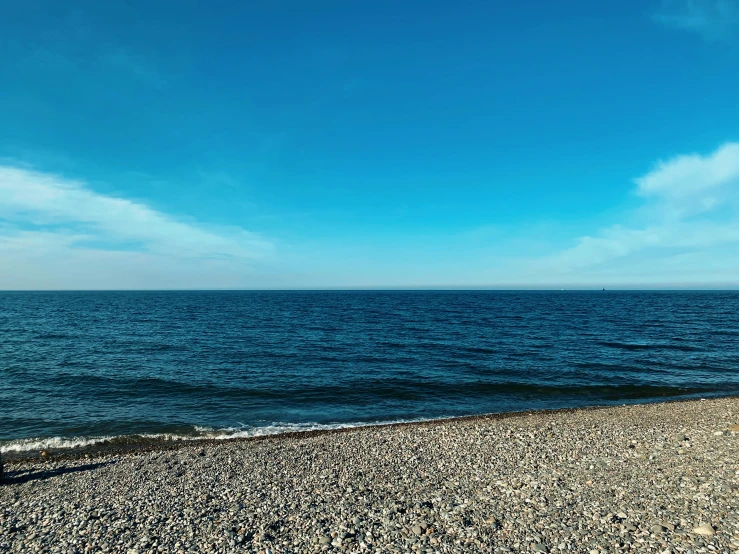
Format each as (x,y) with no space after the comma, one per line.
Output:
(187,364)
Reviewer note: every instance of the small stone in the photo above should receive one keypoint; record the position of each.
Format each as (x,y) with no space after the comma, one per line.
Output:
(734,428)
(323,539)
(704,529)
(417,530)
(538,547)
(657,528)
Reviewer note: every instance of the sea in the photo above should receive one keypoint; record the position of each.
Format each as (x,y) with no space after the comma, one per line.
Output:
(79,369)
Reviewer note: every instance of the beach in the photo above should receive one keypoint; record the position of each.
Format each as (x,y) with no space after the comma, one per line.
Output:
(638,478)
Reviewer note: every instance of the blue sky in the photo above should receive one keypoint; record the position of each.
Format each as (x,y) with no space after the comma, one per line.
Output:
(369,143)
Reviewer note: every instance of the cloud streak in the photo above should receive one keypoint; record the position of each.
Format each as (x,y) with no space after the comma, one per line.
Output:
(48,200)
(49,224)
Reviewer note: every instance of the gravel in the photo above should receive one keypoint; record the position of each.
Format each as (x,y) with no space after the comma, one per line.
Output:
(646,478)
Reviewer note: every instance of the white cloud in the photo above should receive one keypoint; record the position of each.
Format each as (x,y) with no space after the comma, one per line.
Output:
(693,173)
(712,19)
(59,233)
(691,213)
(48,200)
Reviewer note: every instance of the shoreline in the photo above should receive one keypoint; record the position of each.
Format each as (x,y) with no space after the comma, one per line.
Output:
(105,447)
(636,478)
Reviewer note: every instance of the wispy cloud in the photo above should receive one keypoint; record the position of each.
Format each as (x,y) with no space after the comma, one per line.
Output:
(43,215)
(691,212)
(692,174)
(712,19)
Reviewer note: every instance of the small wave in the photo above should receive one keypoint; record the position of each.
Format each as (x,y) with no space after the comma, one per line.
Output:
(392,344)
(51,443)
(35,444)
(51,336)
(638,346)
(604,393)
(480,350)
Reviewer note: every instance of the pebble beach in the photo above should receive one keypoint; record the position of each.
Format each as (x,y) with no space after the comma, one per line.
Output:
(639,478)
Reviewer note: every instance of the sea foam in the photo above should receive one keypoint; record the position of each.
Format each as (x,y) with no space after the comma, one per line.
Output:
(34,444)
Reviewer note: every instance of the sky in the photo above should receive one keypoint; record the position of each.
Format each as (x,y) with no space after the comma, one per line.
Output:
(369,144)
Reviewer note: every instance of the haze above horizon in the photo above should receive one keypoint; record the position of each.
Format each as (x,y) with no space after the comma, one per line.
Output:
(369,145)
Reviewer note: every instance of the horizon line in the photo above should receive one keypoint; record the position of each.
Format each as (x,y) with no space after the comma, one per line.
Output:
(519,288)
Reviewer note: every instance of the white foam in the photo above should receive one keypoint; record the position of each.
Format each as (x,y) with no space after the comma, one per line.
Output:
(62,443)
(276,428)
(31,444)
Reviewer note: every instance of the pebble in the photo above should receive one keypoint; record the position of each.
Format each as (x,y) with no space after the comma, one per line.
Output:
(620,479)
(704,529)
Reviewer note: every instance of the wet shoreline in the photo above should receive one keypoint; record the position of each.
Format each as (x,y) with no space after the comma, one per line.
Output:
(115,446)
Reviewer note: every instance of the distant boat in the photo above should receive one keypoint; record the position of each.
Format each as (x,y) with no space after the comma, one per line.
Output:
(604,288)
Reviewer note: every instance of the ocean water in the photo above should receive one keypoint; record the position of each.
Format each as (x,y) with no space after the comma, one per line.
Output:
(83,367)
